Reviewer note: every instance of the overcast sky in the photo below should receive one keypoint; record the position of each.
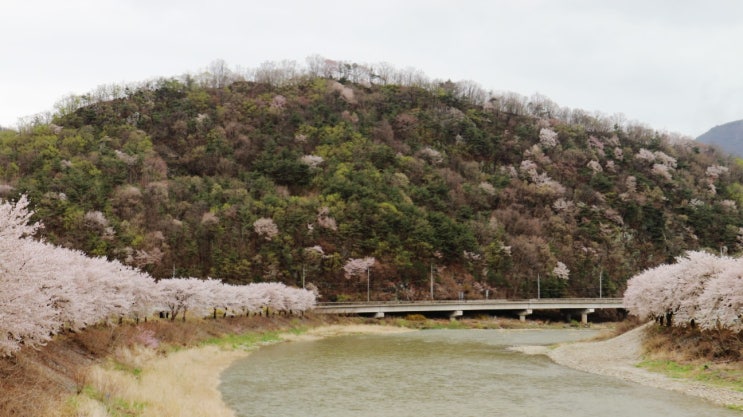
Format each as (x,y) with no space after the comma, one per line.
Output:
(674,65)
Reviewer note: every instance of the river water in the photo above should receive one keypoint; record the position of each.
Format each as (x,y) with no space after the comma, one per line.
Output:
(437,373)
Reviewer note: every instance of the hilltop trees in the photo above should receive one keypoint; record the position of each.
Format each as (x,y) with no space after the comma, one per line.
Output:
(233,174)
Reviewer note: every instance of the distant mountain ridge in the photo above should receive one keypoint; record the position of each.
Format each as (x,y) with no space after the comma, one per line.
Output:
(728,137)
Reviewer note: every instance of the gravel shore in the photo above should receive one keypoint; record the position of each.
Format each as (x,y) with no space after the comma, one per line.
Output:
(618,357)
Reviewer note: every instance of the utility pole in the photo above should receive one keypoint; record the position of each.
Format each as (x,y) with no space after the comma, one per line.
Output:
(431,281)
(303,276)
(601,282)
(539,289)
(368,285)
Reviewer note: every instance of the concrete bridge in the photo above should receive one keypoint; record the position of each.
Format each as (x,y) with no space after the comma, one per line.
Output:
(456,308)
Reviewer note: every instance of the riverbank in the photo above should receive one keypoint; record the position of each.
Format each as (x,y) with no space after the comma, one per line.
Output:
(168,368)
(56,379)
(184,383)
(619,357)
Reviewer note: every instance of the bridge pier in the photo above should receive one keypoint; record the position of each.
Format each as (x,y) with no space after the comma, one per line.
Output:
(584,315)
(523,314)
(379,315)
(455,314)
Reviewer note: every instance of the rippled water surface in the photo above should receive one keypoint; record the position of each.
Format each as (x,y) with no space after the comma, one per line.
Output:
(437,373)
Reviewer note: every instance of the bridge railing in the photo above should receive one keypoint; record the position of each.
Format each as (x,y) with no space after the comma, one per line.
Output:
(480,301)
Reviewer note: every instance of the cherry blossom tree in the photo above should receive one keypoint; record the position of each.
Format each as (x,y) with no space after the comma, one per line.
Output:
(714,171)
(721,303)
(645,155)
(304,300)
(561,271)
(547,138)
(90,292)
(662,171)
(313,161)
(251,298)
(146,294)
(644,292)
(45,289)
(325,220)
(487,188)
(595,166)
(699,289)
(431,155)
(14,220)
(357,266)
(27,316)
(266,228)
(618,153)
(181,295)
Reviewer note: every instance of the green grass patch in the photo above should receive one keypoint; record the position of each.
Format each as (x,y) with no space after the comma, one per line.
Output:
(251,340)
(134,370)
(115,407)
(721,375)
(297,328)
(668,368)
(244,340)
(450,324)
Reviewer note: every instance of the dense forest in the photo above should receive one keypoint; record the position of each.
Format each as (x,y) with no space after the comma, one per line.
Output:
(291,174)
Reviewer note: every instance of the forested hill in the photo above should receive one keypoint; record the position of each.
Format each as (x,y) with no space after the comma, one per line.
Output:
(282,178)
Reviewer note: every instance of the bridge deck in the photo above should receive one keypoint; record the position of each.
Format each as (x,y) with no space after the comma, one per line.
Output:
(583,304)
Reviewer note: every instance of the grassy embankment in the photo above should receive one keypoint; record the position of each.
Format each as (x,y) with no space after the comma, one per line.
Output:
(78,369)
(711,357)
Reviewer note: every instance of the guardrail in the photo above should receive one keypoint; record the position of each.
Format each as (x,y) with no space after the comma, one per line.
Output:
(490,301)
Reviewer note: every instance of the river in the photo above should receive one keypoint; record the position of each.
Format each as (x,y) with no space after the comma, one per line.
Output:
(437,373)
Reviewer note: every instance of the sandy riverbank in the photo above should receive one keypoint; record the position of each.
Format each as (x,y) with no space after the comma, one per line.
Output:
(618,357)
(184,383)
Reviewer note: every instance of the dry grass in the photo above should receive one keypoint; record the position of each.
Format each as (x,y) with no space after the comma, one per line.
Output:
(180,384)
(35,382)
(693,345)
